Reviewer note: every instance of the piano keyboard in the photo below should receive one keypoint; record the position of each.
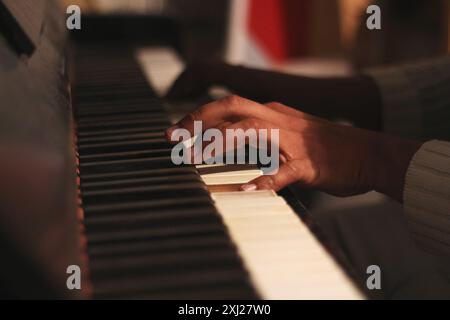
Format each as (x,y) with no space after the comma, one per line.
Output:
(155,230)
(152,230)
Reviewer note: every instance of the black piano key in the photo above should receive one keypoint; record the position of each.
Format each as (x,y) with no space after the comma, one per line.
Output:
(182,285)
(171,244)
(164,263)
(127,155)
(119,137)
(137,206)
(141,181)
(101,77)
(150,219)
(97,91)
(105,71)
(122,123)
(155,234)
(135,173)
(115,117)
(120,126)
(119,104)
(111,147)
(181,190)
(135,101)
(118,112)
(102,133)
(109,94)
(124,165)
(94,128)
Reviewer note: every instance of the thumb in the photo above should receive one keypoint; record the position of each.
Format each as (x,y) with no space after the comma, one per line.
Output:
(288,173)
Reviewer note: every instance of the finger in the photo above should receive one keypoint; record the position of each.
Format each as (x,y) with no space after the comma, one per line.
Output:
(232,109)
(247,132)
(221,134)
(216,154)
(288,173)
(240,131)
(231,138)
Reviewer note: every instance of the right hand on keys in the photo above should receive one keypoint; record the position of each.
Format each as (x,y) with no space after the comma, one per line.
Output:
(316,153)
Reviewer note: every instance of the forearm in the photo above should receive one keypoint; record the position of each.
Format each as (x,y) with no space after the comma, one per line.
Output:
(353,98)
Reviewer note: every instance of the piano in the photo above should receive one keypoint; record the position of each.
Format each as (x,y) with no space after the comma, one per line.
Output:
(86,179)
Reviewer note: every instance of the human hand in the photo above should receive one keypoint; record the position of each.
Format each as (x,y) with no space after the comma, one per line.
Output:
(316,153)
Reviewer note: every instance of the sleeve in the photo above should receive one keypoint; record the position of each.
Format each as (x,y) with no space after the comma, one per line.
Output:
(416,105)
(416,99)
(426,196)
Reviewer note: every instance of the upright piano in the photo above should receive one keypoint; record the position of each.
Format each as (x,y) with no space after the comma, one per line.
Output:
(86,179)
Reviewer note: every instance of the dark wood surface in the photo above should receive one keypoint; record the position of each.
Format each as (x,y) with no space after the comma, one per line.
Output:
(37,168)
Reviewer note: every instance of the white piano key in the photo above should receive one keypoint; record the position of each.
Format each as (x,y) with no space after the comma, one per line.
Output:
(252,195)
(226,167)
(161,66)
(212,177)
(240,178)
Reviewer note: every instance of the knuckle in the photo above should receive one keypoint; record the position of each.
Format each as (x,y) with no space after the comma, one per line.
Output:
(251,124)
(293,169)
(269,183)
(232,102)
(314,173)
(196,115)
(310,174)
(191,117)
(291,122)
(223,126)
(275,105)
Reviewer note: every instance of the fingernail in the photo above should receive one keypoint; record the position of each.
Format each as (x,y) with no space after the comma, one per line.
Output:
(249,187)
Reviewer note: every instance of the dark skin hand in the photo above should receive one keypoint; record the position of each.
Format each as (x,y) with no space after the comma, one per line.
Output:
(356,98)
(314,152)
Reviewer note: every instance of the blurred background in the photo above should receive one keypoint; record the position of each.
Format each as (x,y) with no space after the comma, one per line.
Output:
(304,36)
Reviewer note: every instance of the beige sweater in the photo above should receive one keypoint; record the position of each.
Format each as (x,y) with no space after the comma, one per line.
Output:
(416,100)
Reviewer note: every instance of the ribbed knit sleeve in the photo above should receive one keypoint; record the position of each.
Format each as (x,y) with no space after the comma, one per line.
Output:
(416,105)
(426,196)
(416,99)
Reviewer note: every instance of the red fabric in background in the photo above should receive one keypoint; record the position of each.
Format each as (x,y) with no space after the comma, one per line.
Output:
(279,27)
